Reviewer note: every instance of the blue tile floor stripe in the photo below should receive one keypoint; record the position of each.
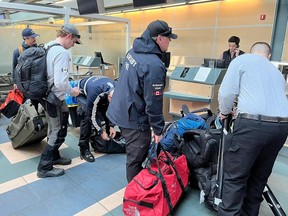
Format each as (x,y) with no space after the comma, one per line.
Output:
(12,171)
(17,199)
(72,140)
(27,166)
(3,125)
(70,193)
(66,203)
(7,170)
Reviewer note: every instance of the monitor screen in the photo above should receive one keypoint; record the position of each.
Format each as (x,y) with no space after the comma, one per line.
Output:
(88,7)
(2,16)
(214,63)
(284,70)
(143,3)
(99,54)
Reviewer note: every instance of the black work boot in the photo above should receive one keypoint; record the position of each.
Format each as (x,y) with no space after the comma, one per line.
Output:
(85,151)
(57,159)
(86,155)
(45,167)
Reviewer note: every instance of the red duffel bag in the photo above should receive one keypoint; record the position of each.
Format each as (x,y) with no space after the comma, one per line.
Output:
(158,187)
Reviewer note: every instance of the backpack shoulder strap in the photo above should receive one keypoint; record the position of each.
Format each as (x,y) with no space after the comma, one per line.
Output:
(56,44)
(20,49)
(209,122)
(46,51)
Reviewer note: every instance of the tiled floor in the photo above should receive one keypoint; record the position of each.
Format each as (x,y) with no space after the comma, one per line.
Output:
(89,188)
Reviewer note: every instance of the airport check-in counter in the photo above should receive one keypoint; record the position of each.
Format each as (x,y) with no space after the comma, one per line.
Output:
(197,87)
(93,65)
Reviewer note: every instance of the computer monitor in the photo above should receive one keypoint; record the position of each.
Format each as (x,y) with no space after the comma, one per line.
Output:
(284,70)
(99,54)
(214,63)
(2,16)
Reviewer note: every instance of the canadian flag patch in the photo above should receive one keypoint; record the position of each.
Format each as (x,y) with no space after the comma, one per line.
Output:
(157,89)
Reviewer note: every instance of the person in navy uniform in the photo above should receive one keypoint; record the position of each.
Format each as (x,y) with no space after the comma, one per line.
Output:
(96,94)
(138,98)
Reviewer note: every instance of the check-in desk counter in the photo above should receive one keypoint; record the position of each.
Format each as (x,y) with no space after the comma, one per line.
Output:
(83,64)
(197,87)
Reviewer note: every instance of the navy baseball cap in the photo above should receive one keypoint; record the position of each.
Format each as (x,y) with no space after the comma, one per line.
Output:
(160,27)
(28,32)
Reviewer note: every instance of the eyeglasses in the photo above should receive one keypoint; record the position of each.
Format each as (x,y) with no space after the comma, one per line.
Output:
(167,33)
(76,36)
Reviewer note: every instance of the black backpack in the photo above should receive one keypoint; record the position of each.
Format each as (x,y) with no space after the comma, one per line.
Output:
(115,145)
(31,72)
(201,151)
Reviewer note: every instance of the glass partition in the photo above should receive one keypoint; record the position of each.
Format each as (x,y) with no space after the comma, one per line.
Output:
(105,36)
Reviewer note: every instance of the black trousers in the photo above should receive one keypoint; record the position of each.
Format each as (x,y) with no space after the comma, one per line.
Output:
(85,130)
(249,155)
(137,146)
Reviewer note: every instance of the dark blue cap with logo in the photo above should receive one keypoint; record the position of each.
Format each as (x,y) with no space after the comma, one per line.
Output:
(28,32)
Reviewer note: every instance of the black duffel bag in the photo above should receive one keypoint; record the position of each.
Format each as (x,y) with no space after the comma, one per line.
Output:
(115,145)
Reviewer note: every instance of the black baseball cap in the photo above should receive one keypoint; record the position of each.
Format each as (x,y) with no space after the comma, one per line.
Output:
(160,27)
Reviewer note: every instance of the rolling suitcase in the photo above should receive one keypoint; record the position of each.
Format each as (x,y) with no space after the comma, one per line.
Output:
(27,126)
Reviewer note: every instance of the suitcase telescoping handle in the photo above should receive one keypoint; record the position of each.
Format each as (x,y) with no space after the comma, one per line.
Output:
(267,193)
(219,176)
(273,202)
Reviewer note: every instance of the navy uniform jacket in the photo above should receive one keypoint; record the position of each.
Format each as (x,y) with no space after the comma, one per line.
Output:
(96,90)
(138,97)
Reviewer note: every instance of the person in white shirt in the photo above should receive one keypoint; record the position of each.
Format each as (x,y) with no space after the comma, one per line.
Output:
(56,110)
(259,130)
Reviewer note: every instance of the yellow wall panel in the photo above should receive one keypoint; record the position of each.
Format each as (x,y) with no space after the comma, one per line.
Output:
(196,15)
(245,12)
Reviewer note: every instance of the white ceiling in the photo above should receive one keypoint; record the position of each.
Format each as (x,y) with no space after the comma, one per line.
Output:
(72,3)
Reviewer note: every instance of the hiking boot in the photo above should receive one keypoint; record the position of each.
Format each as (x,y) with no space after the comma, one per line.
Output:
(62,161)
(50,173)
(86,155)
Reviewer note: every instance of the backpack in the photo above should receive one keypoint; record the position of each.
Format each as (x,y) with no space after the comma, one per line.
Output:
(188,122)
(201,151)
(115,145)
(31,72)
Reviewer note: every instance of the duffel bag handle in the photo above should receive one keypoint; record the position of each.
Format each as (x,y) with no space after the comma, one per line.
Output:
(173,166)
(170,162)
(160,176)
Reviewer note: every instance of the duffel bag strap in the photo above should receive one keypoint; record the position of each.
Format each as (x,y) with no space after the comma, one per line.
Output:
(173,166)
(160,176)
(141,203)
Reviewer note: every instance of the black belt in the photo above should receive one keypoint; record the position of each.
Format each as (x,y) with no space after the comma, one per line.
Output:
(263,118)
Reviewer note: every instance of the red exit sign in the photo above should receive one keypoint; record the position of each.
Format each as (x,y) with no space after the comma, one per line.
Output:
(262,16)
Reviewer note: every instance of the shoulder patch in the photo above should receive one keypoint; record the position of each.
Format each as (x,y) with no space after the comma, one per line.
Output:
(157,89)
